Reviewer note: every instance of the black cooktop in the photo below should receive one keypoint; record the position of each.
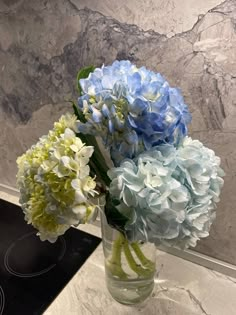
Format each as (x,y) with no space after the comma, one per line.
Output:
(32,273)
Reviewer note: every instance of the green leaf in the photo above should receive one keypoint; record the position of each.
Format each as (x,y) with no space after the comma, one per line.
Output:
(75,108)
(97,162)
(83,74)
(78,113)
(114,217)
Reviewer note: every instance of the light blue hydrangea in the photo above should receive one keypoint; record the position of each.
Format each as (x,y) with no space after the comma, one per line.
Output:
(169,194)
(132,109)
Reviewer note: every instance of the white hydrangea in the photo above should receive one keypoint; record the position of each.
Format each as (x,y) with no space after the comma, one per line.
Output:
(53,178)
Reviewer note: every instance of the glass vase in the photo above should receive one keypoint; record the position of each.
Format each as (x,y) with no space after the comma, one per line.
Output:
(129,267)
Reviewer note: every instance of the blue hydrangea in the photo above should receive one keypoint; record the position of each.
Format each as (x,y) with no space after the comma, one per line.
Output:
(132,109)
(169,194)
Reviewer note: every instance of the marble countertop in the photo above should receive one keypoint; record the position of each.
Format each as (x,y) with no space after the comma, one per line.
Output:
(181,288)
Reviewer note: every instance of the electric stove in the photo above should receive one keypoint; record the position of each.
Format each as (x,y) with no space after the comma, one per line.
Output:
(32,273)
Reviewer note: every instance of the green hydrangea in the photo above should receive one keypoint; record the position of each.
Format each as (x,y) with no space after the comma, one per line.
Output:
(53,177)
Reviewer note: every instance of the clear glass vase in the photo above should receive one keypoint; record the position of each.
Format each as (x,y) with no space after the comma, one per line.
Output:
(129,267)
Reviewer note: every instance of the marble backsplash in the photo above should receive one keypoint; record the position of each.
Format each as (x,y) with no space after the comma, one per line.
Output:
(192,43)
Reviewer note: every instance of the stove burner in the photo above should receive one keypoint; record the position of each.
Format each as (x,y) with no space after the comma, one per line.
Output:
(2,300)
(22,260)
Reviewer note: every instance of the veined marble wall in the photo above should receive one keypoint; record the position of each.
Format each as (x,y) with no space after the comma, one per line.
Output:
(192,43)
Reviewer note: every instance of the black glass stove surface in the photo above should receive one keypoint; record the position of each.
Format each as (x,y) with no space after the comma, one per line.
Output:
(32,273)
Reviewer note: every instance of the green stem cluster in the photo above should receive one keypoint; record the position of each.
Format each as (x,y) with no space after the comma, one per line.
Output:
(143,269)
(114,263)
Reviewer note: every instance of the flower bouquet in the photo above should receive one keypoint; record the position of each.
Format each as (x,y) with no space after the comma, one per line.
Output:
(125,152)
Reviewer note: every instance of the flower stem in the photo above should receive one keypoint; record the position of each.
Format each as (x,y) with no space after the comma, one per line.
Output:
(114,263)
(116,248)
(147,263)
(132,263)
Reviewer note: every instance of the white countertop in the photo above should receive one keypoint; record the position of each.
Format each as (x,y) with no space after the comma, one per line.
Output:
(181,288)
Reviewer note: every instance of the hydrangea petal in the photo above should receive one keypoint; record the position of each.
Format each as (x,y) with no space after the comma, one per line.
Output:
(54,182)
(136,100)
(173,192)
